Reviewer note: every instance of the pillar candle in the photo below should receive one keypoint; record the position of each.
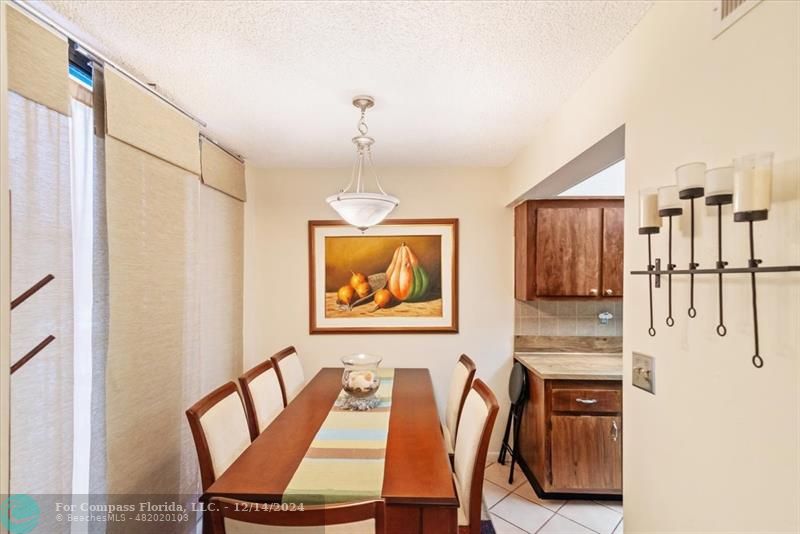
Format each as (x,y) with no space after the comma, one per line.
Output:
(648,209)
(752,182)
(719,181)
(690,176)
(668,197)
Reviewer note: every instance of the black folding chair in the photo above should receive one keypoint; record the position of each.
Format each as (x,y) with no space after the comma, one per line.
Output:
(517,393)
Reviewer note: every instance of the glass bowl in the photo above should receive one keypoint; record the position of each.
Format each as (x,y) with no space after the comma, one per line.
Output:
(360,377)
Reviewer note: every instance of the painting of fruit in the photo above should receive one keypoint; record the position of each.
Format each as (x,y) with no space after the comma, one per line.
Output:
(408,280)
(398,267)
(384,276)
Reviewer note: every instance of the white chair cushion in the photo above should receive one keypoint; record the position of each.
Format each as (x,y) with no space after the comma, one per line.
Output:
(470,428)
(292,373)
(457,382)
(448,440)
(226,431)
(267,399)
(240,527)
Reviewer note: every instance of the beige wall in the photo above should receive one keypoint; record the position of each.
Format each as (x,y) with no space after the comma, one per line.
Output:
(279,205)
(717,448)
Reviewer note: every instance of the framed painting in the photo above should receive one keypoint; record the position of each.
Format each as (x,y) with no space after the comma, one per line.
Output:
(399,276)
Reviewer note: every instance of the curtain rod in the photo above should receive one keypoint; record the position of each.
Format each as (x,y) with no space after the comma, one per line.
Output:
(97,56)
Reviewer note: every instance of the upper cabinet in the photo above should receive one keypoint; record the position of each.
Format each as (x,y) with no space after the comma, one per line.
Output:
(568,248)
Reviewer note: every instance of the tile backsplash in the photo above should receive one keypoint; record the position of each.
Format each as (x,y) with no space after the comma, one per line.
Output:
(567,317)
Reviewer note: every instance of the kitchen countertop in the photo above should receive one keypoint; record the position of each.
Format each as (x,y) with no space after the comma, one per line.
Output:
(572,365)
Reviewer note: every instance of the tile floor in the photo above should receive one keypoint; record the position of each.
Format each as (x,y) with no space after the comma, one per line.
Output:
(515,509)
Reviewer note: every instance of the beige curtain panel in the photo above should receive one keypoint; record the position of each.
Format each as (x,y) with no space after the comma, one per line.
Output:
(175,265)
(41,236)
(37,62)
(220,275)
(136,117)
(222,171)
(151,211)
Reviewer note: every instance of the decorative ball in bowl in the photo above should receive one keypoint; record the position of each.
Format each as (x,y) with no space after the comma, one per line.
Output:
(360,379)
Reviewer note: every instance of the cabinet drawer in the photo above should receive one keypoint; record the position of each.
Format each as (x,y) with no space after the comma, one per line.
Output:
(587,400)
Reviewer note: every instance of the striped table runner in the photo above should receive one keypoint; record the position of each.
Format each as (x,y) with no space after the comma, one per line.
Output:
(346,458)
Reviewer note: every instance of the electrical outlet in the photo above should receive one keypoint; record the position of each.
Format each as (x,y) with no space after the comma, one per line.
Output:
(644,372)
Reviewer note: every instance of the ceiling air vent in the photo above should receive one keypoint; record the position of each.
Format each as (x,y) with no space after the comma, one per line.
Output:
(727,12)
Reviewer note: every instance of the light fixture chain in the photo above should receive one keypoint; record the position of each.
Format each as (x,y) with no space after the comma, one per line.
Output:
(362,122)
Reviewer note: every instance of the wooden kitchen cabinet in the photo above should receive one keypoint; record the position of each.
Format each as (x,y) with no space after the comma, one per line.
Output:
(587,451)
(613,250)
(568,248)
(571,437)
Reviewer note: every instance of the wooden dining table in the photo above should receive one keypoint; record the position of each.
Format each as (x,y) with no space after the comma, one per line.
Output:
(417,483)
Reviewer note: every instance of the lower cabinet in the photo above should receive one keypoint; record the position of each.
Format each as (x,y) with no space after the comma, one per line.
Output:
(571,436)
(586,452)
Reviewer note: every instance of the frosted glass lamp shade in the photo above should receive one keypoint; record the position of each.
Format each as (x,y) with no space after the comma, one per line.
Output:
(669,202)
(752,187)
(719,186)
(691,178)
(649,220)
(363,210)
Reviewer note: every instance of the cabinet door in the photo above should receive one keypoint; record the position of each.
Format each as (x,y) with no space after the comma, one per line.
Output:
(568,242)
(524,231)
(586,452)
(613,247)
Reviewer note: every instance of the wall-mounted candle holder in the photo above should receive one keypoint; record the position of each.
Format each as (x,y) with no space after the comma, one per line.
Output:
(691,178)
(752,196)
(750,193)
(719,192)
(669,205)
(649,224)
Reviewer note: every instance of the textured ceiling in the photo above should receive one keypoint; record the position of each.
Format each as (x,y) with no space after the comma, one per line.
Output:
(456,83)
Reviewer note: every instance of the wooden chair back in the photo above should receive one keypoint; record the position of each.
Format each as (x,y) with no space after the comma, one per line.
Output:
(290,372)
(472,445)
(460,384)
(351,518)
(263,396)
(220,431)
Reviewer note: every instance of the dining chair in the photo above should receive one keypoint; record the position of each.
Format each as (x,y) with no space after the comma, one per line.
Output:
(220,431)
(460,382)
(263,396)
(229,516)
(469,462)
(290,373)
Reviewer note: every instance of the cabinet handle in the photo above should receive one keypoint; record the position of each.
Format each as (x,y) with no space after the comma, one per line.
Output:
(593,291)
(609,292)
(586,401)
(614,431)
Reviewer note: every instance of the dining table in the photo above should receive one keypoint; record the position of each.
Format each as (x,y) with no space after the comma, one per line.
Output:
(417,484)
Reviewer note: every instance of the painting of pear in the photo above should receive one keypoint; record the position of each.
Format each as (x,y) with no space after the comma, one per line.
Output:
(393,276)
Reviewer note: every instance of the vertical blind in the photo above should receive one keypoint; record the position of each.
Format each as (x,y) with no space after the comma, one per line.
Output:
(37,63)
(174,289)
(41,391)
(159,236)
(222,171)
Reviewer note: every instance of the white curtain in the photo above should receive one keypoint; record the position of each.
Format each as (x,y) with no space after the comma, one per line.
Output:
(41,244)
(82,170)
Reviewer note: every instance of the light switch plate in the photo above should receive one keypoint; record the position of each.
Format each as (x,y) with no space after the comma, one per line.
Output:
(644,372)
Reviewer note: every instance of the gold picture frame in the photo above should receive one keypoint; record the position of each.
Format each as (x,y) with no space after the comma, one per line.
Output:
(400,276)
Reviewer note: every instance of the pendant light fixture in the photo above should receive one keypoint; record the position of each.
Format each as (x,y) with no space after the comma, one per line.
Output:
(359,207)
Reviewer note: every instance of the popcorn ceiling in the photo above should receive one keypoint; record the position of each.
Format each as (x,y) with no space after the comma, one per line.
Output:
(456,83)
